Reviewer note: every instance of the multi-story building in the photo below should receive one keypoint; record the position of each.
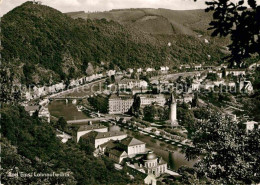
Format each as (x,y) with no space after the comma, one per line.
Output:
(148,99)
(120,104)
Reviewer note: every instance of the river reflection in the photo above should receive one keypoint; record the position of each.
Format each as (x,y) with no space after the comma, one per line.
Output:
(178,156)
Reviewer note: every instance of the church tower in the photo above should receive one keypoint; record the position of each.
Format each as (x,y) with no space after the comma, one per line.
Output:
(173,112)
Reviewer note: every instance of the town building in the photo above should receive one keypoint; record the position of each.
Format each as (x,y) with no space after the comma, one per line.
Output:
(132,146)
(119,104)
(88,128)
(148,164)
(63,136)
(250,125)
(111,72)
(129,70)
(198,67)
(99,138)
(149,99)
(131,83)
(117,155)
(184,66)
(32,109)
(186,98)
(195,86)
(45,114)
(235,72)
(164,69)
(150,69)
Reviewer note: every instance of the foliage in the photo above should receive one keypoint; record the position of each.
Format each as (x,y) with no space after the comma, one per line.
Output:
(153,112)
(212,76)
(229,154)
(100,103)
(40,37)
(61,123)
(171,162)
(241,23)
(40,150)
(186,117)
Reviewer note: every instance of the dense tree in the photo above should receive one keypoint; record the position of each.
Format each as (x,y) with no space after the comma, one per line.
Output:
(100,103)
(171,161)
(230,154)
(31,145)
(241,23)
(61,123)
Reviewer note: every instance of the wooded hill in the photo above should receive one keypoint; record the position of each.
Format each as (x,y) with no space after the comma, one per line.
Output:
(42,45)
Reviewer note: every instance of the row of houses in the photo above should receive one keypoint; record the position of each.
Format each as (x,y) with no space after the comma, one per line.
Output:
(242,85)
(37,92)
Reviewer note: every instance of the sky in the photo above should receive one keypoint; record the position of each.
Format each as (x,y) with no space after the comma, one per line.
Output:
(105,5)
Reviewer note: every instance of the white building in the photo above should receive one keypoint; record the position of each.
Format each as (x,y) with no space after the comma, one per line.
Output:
(150,69)
(131,83)
(164,68)
(88,128)
(184,66)
(198,67)
(111,72)
(31,109)
(130,70)
(44,113)
(148,99)
(63,136)
(139,70)
(250,125)
(235,72)
(149,164)
(119,104)
(195,86)
(133,146)
(99,138)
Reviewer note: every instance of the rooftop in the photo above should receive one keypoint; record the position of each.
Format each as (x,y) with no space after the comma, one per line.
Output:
(31,108)
(91,127)
(130,141)
(117,153)
(109,134)
(115,96)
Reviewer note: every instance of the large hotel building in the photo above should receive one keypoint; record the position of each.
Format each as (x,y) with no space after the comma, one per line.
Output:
(120,104)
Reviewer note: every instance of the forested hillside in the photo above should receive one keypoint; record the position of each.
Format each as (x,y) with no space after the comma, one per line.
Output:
(30,145)
(42,45)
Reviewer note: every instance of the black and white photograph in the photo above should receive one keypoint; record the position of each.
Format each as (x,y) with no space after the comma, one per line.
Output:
(129,92)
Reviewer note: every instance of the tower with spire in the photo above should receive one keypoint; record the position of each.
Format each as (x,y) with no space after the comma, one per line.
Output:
(173,111)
